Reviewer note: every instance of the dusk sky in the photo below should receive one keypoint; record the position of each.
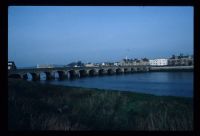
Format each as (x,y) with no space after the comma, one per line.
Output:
(63,34)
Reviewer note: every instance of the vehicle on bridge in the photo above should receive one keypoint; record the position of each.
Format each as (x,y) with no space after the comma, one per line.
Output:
(11,65)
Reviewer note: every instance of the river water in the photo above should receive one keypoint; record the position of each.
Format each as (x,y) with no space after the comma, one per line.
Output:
(158,83)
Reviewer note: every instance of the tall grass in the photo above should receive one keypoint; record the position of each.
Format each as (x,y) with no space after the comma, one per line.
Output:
(33,106)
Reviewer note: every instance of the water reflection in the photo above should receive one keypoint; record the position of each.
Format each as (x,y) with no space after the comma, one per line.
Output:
(43,76)
(29,77)
(159,83)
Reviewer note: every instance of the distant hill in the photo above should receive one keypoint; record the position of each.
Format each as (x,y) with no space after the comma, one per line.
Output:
(59,65)
(72,64)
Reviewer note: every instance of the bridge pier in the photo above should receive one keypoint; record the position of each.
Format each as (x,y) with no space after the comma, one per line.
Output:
(93,72)
(83,73)
(53,75)
(48,76)
(147,69)
(119,71)
(102,72)
(35,76)
(110,72)
(71,74)
(25,76)
(77,73)
(61,75)
(128,71)
(68,75)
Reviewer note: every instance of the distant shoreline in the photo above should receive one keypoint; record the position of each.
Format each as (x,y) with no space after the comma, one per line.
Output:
(171,68)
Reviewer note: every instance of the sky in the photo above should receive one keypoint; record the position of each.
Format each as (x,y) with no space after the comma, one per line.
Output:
(63,34)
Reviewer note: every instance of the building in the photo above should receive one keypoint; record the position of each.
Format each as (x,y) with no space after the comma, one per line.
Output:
(181,60)
(116,63)
(89,65)
(134,62)
(44,66)
(144,61)
(107,64)
(128,62)
(11,65)
(158,62)
(103,64)
(96,64)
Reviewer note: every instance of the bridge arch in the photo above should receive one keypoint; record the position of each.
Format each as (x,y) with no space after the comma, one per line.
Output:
(144,69)
(138,69)
(102,72)
(35,76)
(127,70)
(31,76)
(134,69)
(25,76)
(47,75)
(54,74)
(42,75)
(147,68)
(119,71)
(92,72)
(110,71)
(61,74)
(82,73)
(71,74)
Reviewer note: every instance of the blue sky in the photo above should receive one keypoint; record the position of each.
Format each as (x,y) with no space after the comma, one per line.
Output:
(62,34)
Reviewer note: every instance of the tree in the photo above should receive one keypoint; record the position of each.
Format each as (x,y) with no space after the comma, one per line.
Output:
(180,56)
(72,64)
(79,63)
(173,56)
(138,61)
(124,60)
(145,59)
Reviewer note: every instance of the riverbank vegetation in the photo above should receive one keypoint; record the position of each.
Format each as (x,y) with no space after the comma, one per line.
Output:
(35,106)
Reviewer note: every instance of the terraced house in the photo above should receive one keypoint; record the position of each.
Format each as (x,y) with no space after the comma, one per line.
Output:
(181,60)
(134,62)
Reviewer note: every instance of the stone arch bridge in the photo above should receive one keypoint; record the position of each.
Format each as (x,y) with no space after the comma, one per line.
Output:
(75,72)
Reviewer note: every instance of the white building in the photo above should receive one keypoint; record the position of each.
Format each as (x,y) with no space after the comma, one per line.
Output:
(103,64)
(158,62)
(116,63)
(89,65)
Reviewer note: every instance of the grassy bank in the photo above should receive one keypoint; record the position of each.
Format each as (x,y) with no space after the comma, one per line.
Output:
(34,106)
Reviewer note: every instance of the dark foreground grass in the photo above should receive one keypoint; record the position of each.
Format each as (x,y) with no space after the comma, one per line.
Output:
(35,106)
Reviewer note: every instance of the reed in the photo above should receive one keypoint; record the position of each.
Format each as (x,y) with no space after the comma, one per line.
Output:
(35,106)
